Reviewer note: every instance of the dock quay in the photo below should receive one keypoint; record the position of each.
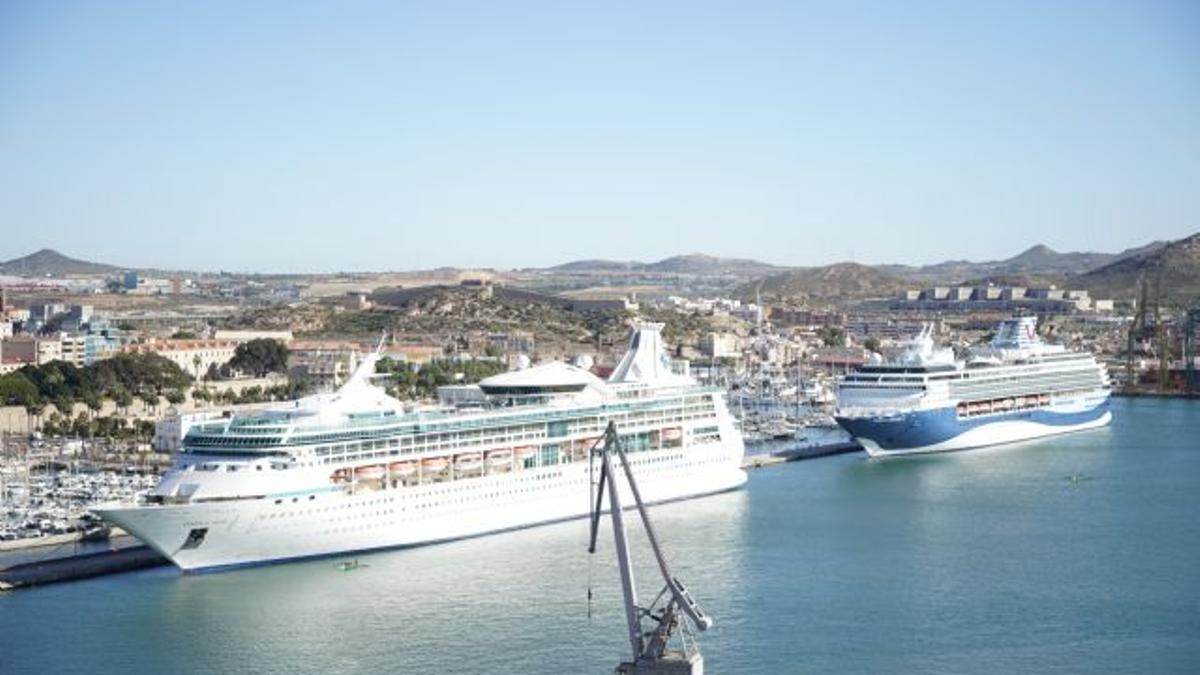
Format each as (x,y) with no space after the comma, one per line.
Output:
(761,460)
(72,568)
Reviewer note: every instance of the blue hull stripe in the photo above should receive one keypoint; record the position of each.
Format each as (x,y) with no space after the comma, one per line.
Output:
(930,427)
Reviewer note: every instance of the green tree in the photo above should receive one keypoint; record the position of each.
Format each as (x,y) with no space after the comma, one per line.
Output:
(871,344)
(832,336)
(260,357)
(17,389)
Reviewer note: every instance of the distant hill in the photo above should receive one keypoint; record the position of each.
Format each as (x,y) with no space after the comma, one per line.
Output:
(1037,262)
(48,262)
(700,264)
(841,281)
(595,266)
(697,264)
(1176,265)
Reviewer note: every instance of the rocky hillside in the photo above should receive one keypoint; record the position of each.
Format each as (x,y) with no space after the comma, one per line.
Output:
(842,281)
(1037,262)
(1175,265)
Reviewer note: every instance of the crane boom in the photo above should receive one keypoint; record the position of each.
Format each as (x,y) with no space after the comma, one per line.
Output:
(651,652)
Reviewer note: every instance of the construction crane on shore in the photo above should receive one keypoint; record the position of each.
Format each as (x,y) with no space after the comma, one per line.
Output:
(1191,324)
(1147,326)
(651,644)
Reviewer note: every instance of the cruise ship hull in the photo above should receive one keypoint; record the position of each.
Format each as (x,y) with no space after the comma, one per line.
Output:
(277,529)
(941,430)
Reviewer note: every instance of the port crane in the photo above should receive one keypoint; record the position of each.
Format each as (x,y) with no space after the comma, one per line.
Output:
(652,628)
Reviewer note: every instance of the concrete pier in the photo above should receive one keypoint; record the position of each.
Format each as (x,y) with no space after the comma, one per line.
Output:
(795,454)
(78,567)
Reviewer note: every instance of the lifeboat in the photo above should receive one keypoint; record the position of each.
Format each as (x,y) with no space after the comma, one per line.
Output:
(435,464)
(672,434)
(372,472)
(340,476)
(525,451)
(499,458)
(468,462)
(402,468)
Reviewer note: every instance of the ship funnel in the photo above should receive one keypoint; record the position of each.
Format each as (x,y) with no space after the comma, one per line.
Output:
(647,360)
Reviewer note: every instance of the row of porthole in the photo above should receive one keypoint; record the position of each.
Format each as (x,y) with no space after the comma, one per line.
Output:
(462,500)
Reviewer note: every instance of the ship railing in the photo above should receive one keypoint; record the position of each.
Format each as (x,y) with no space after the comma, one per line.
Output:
(873,411)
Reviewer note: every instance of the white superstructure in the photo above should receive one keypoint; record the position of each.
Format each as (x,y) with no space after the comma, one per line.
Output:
(354,470)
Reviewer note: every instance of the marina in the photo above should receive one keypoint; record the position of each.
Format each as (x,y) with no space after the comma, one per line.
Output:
(852,558)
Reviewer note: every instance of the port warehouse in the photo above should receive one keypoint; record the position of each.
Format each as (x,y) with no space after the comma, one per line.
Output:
(1000,299)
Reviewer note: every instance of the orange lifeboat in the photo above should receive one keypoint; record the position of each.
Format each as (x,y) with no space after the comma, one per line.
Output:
(672,434)
(499,458)
(435,464)
(402,468)
(372,472)
(525,451)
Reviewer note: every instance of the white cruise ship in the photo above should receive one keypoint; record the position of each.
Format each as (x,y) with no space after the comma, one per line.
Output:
(1016,388)
(354,470)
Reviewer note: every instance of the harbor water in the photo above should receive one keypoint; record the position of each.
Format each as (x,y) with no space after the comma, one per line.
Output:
(1074,554)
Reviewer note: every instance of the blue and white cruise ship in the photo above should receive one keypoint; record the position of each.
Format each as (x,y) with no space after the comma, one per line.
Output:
(1016,388)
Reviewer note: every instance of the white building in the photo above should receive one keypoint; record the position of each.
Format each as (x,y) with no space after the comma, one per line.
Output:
(194,357)
(248,335)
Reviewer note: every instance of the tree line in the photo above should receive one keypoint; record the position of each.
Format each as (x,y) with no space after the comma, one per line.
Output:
(121,379)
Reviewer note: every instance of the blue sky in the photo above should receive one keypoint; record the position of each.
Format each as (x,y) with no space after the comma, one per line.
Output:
(293,136)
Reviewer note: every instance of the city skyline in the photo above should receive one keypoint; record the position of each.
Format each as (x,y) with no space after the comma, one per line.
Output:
(392,137)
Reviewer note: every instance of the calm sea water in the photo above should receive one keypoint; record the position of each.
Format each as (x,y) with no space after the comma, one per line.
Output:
(982,561)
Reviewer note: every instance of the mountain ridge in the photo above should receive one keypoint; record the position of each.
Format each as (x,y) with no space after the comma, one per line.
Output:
(48,262)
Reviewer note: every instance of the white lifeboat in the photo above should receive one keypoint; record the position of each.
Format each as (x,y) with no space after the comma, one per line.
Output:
(468,462)
(499,458)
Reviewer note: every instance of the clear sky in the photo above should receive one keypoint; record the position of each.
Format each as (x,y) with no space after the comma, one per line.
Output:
(295,136)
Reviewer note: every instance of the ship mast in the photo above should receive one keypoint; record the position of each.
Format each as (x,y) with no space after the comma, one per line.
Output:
(652,654)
